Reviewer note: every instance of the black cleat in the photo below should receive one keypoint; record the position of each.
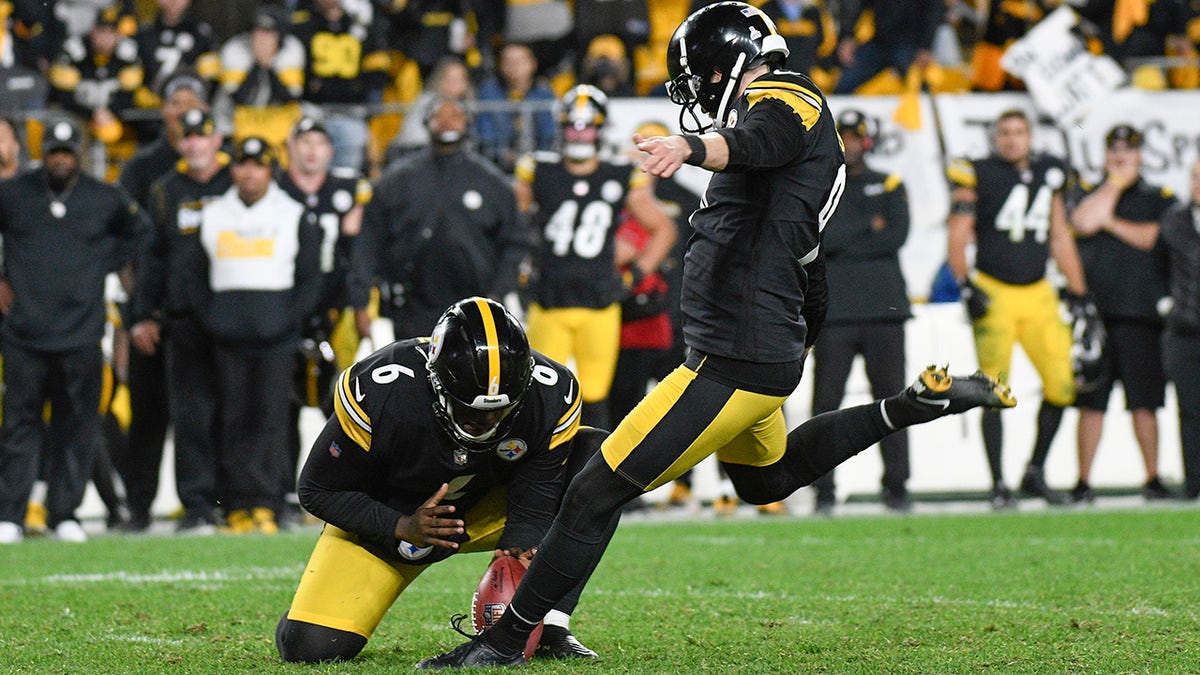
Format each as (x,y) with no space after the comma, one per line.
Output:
(473,654)
(936,393)
(1034,485)
(896,501)
(1001,499)
(558,643)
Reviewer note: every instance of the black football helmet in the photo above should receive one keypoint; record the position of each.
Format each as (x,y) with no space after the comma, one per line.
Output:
(480,367)
(582,107)
(1087,346)
(710,51)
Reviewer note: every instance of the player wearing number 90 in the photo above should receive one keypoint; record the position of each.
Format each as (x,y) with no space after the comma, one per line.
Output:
(577,291)
(1010,205)
(460,442)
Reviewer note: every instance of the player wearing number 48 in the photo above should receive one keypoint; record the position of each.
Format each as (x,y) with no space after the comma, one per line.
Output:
(576,294)
(1011,206)
(460,442)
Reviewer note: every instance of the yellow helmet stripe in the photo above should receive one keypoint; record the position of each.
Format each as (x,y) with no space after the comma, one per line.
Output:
(493,345)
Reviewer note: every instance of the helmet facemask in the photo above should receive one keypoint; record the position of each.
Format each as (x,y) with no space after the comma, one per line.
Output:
(583,107)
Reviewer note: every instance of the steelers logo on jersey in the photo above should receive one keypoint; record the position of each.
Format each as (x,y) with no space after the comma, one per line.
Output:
(411,551)
(1055,178)
(512,449)
(580,188)
(343,201)
(611,191)
(733,118)
(472,200)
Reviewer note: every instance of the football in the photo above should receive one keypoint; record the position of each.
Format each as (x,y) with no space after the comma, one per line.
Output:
(493,594)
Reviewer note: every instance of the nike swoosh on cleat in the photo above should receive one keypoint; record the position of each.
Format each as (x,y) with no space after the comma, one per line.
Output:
(942,403)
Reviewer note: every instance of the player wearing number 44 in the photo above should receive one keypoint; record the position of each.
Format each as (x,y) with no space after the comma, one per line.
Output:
(1010,205)
(577,290)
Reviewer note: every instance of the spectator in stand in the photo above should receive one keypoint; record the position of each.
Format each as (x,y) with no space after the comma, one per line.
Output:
(1181,343)
(262,72)
(868,302)
(1133,29)
(433,30)
(22,59)
(883,33)
(628,21)
(253,278)
(607,67)
(96,77)
(10,149)
(175,41)
(1007,22)
(545,27)
(450,80)
(54,219)
(155,159)
(503,135)
(1117,226)
(346,68)
(810,33)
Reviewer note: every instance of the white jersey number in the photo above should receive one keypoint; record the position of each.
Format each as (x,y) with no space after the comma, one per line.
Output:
(1017,216)
(588,239)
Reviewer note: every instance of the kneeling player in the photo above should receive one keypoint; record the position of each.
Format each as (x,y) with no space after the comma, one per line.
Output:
(461,442)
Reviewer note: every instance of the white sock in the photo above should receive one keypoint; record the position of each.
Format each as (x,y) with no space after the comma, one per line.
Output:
(557,618)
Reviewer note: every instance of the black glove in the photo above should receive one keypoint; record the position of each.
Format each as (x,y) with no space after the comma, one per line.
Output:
(974,298)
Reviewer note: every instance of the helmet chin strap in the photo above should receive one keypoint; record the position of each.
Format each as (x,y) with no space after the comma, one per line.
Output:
(735,76)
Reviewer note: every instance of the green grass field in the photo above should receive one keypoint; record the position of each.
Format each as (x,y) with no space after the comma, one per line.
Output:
(1041,592)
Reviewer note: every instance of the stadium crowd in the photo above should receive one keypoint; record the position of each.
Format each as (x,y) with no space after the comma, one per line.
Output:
(426,151)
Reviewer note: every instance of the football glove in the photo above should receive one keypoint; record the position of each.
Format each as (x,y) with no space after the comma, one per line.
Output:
(974,298)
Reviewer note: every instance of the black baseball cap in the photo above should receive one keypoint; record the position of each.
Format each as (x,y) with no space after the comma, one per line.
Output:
(197,122)
(254,149)
(1126,133)
(61,134)
(271,18)
(185,82)
(307,124)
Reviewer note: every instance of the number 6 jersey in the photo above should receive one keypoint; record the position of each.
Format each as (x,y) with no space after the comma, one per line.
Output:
(577,222)
(1012,212)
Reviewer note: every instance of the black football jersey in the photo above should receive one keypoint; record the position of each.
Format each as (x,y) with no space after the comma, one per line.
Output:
(1012,213)
(748,271)
(342,190)
(399,455)
(577,222)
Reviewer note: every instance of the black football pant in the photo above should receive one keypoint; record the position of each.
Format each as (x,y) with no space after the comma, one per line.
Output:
(148,403)
(1181,352)
(882,348)
(192,389)
(71,382)
(254,418)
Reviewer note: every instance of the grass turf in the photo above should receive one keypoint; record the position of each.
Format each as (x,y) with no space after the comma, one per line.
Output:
(1043,592)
